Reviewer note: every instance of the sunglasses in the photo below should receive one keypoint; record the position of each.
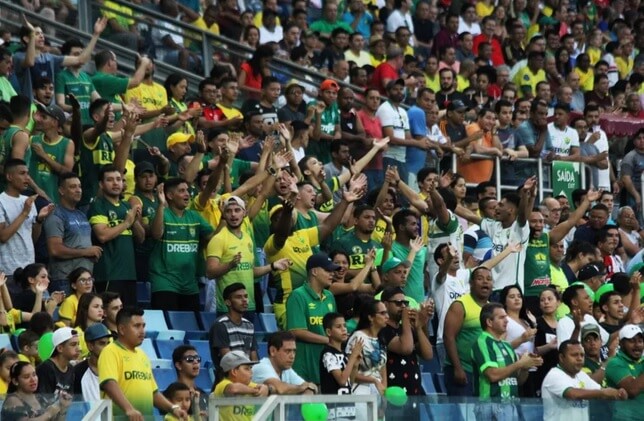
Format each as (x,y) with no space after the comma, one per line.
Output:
(192,359)
(400,303)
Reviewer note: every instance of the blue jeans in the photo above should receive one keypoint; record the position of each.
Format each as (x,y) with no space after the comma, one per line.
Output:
(454,389)
(496,411)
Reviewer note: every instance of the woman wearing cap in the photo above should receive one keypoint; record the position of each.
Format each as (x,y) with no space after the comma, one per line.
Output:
(22,402)
(81,282)
(90,311)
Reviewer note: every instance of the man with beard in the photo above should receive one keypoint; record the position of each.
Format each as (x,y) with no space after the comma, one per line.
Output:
(498,371)
(533,134)
(408,247)
(295,245)
(566,388)
(407,338)
(305,309)
(607,242)
(232,331)
(462,328)
(356,244)
(352,130)
(115,226)
(395,125)
(598,218)
(537,258)
(179,232)
(448,92)
(626,371)
(69,235)
(340,163)
(231,253)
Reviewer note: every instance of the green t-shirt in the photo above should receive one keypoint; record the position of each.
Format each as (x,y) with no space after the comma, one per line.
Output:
(325,27)
(41,172)
(537,266)
(469,333)
(328,120)
(238,168)
(109,86)
(6,89)
(415,286)
(117,261)
(6,147)
(356,249)
(81,86)
(148,211)
(305,309)
(617,369)
(92,158)
(308,221)
(173,261)
(489,352)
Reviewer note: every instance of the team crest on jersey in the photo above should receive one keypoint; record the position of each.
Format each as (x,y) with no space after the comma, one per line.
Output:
(312,306)
(112,215)
(192,231)
(356,250)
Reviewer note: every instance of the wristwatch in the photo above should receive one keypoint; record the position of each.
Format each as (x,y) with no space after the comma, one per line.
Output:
(173,407)
(272,171)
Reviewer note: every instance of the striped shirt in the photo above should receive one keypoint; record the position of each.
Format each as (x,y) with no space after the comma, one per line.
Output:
(224,333)
(489,352)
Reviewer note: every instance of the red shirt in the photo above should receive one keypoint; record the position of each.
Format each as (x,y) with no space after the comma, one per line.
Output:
(252,80)
(497,51)
(372,128)
(383,72)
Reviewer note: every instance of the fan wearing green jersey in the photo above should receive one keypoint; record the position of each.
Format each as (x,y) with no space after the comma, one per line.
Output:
(498,371)
(14,141)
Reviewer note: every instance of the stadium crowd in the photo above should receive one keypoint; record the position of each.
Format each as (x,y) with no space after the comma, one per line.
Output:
(363,214)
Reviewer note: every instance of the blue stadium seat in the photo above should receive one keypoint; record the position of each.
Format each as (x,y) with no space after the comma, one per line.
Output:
(162,363)
(186,321)
(203,349)
(203,381)
(157,328)
(428,383)
(143,294)
(148,347)
(166,347)
(5,341)
(268,322)
(262,349)
(207,319)
(439,382)
(164,377)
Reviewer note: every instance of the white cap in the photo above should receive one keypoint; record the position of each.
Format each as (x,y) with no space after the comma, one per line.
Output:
(629,332)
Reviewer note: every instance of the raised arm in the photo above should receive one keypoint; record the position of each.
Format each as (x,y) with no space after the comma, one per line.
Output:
(528,194)
(561,230)
(99,27)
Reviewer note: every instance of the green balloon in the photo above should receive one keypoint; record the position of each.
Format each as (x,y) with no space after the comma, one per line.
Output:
(603,290)
(396,395)
(45,346)
(314,412)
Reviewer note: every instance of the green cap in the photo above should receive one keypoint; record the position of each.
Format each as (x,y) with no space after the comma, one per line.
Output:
(602,290)
(393,263)
(588,289)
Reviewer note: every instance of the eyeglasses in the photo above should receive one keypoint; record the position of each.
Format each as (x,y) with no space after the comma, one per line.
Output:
(399,303)
(86,281)
(192,359)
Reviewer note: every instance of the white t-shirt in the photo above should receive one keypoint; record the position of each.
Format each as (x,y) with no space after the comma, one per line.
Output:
(558,408)
(446,293)
(602,146)
(510,270)
(264,371)
(563,140)
(566,326)
(89,386)
(473,28)
(397,119)
(437,236)
(396,19)
(267,36)
(515,330)
(18,251)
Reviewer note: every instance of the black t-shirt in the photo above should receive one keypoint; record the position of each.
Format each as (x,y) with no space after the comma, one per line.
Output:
(79,371)
(551,358)
(52,380)
(402,370)
(269,113)
(332,359)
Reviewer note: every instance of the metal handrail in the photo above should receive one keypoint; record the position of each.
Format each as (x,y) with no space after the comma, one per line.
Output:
(497,172)
(103,412)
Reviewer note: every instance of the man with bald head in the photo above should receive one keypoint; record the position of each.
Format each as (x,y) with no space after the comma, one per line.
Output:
(552,213)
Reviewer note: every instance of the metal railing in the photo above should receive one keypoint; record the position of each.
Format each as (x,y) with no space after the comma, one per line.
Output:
(541,165)
(102,411)
(276,405)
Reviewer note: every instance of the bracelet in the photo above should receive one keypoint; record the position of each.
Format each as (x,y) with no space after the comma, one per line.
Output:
(272,266)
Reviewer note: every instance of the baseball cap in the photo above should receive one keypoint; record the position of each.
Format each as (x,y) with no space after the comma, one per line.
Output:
(143,167)
(329,84)
(321,260)
(62,335)
(175,138)
(589,329)
(234,359)
(293,84)
(235,200)
(96,331)
(590,271)
(394,262)
(375,39)
(457,105)
(54,111)
(629,332)
(393,83)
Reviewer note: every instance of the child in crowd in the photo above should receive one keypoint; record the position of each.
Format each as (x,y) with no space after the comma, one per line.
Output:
(28,345)
(179,394)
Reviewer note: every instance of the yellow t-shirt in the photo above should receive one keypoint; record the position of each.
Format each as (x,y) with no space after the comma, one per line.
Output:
(525,77)
(231,112)
(224,246)
(14,316)
(129,182)
(433,83)
(558,279)
(121,17)
(462,83)
(237,412)
(375,62)
(68,309)
(190,40)
(30,360)
(211,211)
(151,97)
(3,387)
(483,10)
(297,248)
(132,371)
(624,66)
(586,79)
(595,54)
